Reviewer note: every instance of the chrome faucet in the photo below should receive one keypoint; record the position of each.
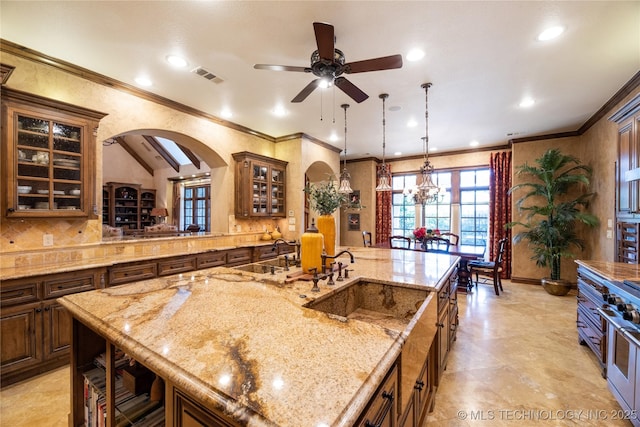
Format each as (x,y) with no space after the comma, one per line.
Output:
(325,257)
(292,243)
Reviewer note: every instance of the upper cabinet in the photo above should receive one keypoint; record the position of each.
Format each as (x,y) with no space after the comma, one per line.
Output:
(628,173)
(260,186)
(48,149)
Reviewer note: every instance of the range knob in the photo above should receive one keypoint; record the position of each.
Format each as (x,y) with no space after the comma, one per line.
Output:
(605,297)
(614,300)
(632,315)
(625,307)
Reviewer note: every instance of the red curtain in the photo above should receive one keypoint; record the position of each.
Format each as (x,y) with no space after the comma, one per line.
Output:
(500,207)
(383,211)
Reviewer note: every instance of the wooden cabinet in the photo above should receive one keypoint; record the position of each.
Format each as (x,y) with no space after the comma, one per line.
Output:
(175,265)
(187,412)
(259,186)
(129,206)
(628,238)
(35,330)
(591,326)
(132,272)
(49,152)
(382,408)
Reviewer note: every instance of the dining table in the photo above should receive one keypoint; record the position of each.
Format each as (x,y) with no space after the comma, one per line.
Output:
(465,252)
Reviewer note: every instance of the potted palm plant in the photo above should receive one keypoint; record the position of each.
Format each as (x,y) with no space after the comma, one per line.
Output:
(558,200)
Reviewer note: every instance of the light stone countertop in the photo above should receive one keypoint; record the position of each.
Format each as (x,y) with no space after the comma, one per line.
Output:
(244,342)
(614,271)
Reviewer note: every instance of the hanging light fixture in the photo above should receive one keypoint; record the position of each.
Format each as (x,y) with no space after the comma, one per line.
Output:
(345,184)
(384,173)
(426,191)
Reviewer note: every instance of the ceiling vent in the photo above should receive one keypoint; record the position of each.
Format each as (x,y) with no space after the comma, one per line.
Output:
(203,72)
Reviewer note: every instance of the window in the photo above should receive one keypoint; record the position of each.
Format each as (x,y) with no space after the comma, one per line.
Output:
(469,188)
(474,207)
(438,214)
(403,209)
(196,207)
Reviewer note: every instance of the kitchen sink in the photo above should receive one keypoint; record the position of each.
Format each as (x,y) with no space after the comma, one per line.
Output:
(386,305)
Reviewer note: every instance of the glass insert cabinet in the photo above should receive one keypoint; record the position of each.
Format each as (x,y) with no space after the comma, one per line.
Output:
(49,149)
(260,184)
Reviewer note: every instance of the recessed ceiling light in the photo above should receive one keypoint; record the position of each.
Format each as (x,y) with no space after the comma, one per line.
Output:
(474,143)
(398,153)
(279,111)
(550,33)
(433,148)
(226,113)
(333,137)
(176,61)
(412,123)
(395,108)
(415,55)
(144,81)
(527,102)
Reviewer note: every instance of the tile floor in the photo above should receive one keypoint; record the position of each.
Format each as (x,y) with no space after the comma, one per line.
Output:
(516,358)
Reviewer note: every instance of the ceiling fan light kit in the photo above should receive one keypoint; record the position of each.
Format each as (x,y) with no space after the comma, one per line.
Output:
(328,64)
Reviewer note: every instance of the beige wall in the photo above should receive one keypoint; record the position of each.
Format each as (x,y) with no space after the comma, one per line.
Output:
(131,114)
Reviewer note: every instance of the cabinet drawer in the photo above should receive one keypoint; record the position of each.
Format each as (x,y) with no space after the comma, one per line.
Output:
(591,334)
(176,265)
(130,273)
(263,252)
(18,292)
(239,256)
(382,408)
(68,284)
(443,297)
(211,259)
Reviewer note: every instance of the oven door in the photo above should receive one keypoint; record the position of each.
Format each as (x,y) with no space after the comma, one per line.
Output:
(621,366)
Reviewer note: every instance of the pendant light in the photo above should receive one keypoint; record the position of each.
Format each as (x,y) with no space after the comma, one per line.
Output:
(384,173)
(427,191)
(345,184)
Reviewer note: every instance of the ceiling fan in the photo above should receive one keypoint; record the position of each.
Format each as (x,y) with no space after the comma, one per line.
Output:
(328,64)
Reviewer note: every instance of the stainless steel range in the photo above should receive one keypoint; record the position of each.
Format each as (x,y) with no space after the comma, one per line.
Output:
(622,314)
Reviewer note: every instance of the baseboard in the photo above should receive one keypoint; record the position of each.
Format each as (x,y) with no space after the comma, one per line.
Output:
(530,281)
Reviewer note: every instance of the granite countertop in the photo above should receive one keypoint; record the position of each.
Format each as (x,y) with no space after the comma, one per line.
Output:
(245,342)
(613,271)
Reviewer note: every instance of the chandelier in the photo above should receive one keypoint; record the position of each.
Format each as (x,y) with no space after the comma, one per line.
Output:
(345,177)
(384,173)
(427,191)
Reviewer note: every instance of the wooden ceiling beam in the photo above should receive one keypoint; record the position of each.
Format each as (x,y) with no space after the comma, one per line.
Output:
(133,154)
(190,155)
(164,153)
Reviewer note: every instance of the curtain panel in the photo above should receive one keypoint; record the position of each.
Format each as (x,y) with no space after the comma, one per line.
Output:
(383,212)
(500,207)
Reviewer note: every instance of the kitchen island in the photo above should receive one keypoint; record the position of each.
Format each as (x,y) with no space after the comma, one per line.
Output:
(244,346)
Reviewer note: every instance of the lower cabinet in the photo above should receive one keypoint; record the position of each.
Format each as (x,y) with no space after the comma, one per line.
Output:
(187,412)
(382,408)
(36,336)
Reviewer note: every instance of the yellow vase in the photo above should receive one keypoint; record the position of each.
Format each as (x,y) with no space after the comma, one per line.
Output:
(327,227)
(311,244)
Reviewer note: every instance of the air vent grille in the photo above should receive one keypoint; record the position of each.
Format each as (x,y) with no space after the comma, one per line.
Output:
(203,72)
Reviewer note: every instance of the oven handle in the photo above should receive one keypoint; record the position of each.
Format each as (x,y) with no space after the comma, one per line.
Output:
(613,318)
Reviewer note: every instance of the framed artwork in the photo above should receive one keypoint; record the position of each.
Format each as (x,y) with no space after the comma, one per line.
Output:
(354,198)
(354,222)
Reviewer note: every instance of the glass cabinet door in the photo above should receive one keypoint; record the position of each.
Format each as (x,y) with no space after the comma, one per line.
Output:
(49,164)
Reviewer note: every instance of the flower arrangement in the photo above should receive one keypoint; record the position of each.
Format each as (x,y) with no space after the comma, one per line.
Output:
(422,232)
(324,197)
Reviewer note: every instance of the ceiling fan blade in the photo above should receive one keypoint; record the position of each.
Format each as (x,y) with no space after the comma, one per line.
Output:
(350,89)
(375,64)
(306,91)
(325,40)
(281,68)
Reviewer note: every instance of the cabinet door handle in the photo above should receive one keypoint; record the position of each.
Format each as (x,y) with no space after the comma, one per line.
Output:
(419,385)
(38,310)
(382,413)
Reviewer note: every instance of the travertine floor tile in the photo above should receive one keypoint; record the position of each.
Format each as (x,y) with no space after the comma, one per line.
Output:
(516,357)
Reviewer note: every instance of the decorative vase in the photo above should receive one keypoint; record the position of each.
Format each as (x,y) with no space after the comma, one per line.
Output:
(276,234)
(311,244)
(266,235)
(327,227)
(556,287)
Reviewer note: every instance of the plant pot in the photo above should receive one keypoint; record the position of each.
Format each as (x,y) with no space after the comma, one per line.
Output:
(556,287)
(327,227)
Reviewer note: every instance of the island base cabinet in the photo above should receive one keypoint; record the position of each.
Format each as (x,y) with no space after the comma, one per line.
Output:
(382,409)
(187,412)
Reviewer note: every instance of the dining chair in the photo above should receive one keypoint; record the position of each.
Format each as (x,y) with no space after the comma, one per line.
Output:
(453,238)
(366,239)
(490,269)
(399,242)
(435,244)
